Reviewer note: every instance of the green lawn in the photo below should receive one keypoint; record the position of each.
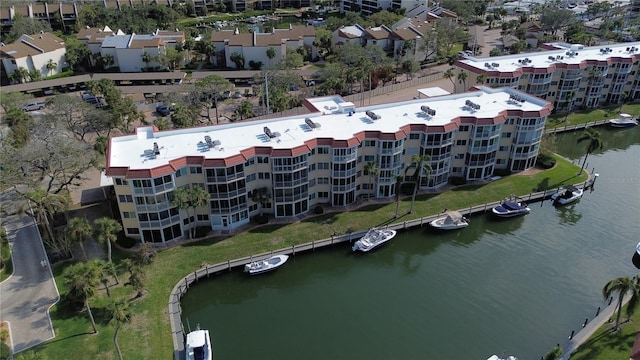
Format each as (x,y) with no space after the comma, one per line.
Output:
(606,344)
(5,256)
(581,117)
(148,335)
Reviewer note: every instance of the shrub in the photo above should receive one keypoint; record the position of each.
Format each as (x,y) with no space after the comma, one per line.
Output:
(5,351)
(545,161)
(261,219)
(318,210)
(457,180)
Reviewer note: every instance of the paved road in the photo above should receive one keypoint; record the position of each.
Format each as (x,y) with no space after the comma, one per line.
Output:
(25,297)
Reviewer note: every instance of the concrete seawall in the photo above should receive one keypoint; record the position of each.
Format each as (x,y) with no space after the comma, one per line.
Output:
(181,287)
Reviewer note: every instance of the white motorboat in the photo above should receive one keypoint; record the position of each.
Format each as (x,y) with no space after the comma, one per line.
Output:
(636,257)
(568,195)
(259,267)
(373,238)
(453,220)
(496,357)
(623,121)
(511,207)
(198,346)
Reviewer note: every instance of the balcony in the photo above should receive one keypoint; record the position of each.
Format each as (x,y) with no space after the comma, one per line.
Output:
(343,174)
(480,162)
(343,188)
(572,75)
(541,81)
(225,179)
(345,158)
(227,195)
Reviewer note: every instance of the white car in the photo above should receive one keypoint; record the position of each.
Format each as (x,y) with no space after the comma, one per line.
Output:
(32,106)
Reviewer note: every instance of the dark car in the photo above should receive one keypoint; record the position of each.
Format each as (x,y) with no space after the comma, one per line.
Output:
(163,110)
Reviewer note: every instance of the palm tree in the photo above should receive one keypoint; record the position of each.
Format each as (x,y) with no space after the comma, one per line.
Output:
(106,231)
(82,281)
(51,65)
(261,196)
(622,286)
(103,274)
(462,77)
(120,314)
(594,143)
(420,163)
(397,189)
(271,53)
(481,79)
(450,75)
(42,206)
(244,110)
(371,168)
(186,198)
(79,230)
(146,59)
(632,305)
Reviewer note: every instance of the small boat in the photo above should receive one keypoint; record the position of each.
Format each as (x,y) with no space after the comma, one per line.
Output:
(198,346)
(453,220)
(623,121)
(636,257)
(496,357)
(259,267)
(373,238)
(511,207)
(566,196)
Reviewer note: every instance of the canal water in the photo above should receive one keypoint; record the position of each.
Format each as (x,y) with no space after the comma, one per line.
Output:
(515,286)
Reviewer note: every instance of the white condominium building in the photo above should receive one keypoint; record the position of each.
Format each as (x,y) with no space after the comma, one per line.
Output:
(319,158)
(569,76)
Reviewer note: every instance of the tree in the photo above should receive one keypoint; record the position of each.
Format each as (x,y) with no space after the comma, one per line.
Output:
(103,274)
(623,98)
(553,19)
(213,86)
(293,59)
(42,206)
(51,65)
(594,142)
(82,281)
(21,25)
(30,355)
(481,79)
(553,354)
(190,198)
(449,34)
(146,59)
(106,231)
(371,168)
(495,52)
(120,314)
(462,78)
(397,189)
(238,59)
(244,110)
(632,305)
(450,75)
(410,67)
(271,53)
(261,196)
(569,99)
(76,52)
(79,230)
(420,164)
(622,286)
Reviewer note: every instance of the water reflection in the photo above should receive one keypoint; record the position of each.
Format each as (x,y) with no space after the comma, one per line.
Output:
(568,215)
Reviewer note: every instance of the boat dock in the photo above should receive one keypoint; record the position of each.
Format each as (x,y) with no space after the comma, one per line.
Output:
(561,129)
(181,287)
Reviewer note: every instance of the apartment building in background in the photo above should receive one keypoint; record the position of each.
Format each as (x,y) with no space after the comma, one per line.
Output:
(570,76)
(318,159)
(42,52)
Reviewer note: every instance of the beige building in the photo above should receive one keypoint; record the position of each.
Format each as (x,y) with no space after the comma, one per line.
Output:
(43,52)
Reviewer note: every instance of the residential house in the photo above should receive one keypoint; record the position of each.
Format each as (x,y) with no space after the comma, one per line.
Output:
(419,33)
(379,36)
(349,34)
(567,75)
(253,46)
(317,159)
(532,33)
(36,52)
(129,52)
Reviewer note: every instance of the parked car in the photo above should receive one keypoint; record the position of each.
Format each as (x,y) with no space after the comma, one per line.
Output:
(236,95)
(34,106)
(97,101)
(163,110)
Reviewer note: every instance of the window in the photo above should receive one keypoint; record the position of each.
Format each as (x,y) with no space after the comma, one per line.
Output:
(323,194)
(456,169)
(204,217)
(461,142)
(195,170)
(506,135)
(463,128)
(504,148)
(263,160)
(250,162)
(323,150)
(501,161)
(323,180)
(125,198)
(369,158)
(459,156)
(414,136)
(121,181)
(181,172)
(312,182)
(128,215)
(323,166)
(251,177)
(133,231)
(264,175)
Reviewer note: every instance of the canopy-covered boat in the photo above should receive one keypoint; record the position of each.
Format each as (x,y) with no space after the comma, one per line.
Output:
(259,267)
(373,238)
(567,195)
(198,345)
(451,221)
(510,208)
(496,357)
(623,121)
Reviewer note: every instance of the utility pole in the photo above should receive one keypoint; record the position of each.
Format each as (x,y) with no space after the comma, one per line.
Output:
(266,92)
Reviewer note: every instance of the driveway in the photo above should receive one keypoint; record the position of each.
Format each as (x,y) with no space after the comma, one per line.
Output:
(26,296)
